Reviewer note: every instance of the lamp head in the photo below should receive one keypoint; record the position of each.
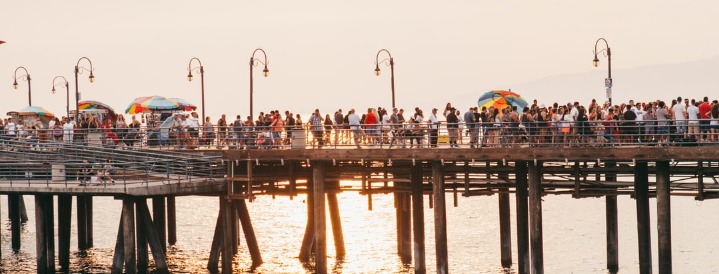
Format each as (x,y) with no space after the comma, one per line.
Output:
(14,85)
(377,71)
(189,77)
(595,61)
(92,78)
(266,72)
(53,90)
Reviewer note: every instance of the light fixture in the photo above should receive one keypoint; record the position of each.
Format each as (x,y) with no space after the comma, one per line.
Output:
(189,77)
(92,78)
(376,70)
(14,85)
(266,72)
(595,61)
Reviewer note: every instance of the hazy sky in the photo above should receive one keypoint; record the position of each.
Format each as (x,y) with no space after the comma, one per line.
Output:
(322,53)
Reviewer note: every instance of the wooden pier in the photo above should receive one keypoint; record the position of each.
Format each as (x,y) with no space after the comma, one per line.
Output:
(409,174)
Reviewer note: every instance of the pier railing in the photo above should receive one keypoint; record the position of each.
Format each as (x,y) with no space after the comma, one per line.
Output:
(614,133)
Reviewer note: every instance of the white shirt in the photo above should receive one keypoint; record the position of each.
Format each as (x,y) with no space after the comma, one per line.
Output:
(67,128)
(679,111)
(433,121)
(693,112)
(574,113)
(354,120)
(640,114)
(10,128)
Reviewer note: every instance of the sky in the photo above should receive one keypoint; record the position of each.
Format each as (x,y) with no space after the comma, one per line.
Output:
(321,53)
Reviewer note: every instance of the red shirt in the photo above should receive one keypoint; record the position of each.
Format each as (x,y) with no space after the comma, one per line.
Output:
(370,119)
(703,109)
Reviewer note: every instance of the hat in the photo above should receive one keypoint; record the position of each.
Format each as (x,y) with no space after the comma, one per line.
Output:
(433,109)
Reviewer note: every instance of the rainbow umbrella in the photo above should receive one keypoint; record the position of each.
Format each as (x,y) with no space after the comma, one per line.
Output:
(89,104)
(151,103)
(184,104)
(501,99)
(33,110)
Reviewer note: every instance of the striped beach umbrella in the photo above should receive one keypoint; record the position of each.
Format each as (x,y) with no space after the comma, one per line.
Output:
(151,103)
(184,104)
(501,99)
(90,104)
(33,110)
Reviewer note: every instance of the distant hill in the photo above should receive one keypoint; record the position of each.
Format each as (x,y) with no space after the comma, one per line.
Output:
(694,79)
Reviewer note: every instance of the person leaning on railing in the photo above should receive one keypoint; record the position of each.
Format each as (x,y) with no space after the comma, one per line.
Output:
(354,122)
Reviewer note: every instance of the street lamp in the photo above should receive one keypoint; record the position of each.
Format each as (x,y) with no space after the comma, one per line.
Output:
(608,81)
(27,78)
(201,69)
(253,63)
(78,70)
(391,68)
(67,89)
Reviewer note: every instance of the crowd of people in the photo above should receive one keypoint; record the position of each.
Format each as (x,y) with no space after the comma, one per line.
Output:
(654,122)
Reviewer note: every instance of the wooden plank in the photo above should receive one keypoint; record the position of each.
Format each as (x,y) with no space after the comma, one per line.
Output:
(440,218)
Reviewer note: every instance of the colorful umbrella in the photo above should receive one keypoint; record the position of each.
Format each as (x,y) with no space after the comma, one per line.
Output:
(33,110)
(151,103)
(501,99)
(89,104)
(184,104)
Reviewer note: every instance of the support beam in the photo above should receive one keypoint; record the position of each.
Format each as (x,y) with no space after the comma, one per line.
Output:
(505,223)
(536,241)
(521,194)
(440,217)
(64,215)
(641,194)
(405,207)
(81,223)
(89,222)
(318,174)
(13,201)
(156,246)
(41,236)
(214,260)
(227,242)
(142,255)
(249,231)
(420,265)
(171,221)
(119,258)
(664,218)
(309,238)
(128,235)
(159,219)
(23,210)
(336,220)
(612,222)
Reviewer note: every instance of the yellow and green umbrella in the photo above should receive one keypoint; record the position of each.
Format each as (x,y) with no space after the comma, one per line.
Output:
(501,99)
(90,104)
(151,103)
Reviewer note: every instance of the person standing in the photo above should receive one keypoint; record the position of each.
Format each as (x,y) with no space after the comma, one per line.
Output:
(471,122)
(315,123)
(453,128)
(680,117)
(355,126)
(433,128)
(339,126)
(222,131)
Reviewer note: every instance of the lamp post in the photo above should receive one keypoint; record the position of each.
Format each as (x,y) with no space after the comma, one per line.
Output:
(78,70)
(391,68)
(27,78)
(253,63)
(608,81)
(201,69)
(67,89)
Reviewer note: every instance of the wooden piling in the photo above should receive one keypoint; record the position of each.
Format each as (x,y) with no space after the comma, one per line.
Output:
(227,242)
(612,223)
(641,194)
(420,265)
(521,195)
(128,232)
(152,238)
(159,219)
(309,238)
(216,245)
(23,210)
(249,231)
(318,174)
(505,225)
(335,220)
(405,207)
(81,221)
(64,215)
(119,258)
(292,174)
(664,217)
(535,218)
(440,217)
(171,221)
(44,234)
(89,222)
(13,201)
(142,255)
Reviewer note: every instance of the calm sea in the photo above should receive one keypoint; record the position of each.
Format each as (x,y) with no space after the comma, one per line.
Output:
(574,238)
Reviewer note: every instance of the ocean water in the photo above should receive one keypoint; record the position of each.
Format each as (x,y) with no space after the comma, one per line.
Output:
(574,236)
